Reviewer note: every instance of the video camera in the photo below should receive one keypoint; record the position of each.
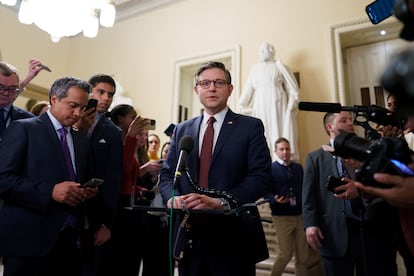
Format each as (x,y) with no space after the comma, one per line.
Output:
(388,155)
(362,115)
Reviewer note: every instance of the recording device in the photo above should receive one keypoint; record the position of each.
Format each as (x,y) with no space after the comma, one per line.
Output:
(379,10)
(45,67)
(93,183)
(389,154)
(186,145)
(92,103)
(373,113)
(403,13)
(332,183)
(149,124)
(363,114)
(169,130)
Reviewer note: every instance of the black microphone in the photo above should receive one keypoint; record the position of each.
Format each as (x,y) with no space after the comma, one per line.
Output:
(186,146)
(321,107)
(374,113)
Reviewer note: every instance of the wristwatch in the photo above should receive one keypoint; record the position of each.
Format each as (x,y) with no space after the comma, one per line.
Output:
(224,203)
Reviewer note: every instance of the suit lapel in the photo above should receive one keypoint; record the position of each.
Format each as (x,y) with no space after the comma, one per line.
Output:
(229,124)
(53,140)
(193,158)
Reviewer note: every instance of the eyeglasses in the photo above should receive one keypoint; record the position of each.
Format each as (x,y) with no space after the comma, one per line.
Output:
(217,83)
(10,89)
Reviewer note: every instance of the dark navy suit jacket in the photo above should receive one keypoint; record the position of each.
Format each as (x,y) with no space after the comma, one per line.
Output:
(240,165)
(18,113)
(32,162)
(107,148)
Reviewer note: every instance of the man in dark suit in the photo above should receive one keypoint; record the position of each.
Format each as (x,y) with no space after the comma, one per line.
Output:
(9,90)
(240,165)
(41,210)
(350,236)
(107,148)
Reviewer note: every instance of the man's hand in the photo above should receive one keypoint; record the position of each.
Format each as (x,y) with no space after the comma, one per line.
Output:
(35,66)
(195,201)
(102,235)
(86,120)
(313,236)
(281,199)
(69,192)
(72,193)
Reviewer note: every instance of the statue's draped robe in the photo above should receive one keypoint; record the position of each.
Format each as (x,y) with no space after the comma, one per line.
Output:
(271,93)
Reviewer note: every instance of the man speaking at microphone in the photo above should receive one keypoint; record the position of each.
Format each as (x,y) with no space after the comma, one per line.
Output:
(230,155)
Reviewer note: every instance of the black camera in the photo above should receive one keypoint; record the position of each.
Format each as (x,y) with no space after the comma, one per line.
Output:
(388,155)
(403,13)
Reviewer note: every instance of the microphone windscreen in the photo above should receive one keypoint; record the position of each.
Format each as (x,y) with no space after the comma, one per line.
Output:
(186,144)
(321,107)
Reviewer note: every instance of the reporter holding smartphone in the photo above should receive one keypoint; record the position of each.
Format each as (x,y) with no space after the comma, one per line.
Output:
(285,199)
(106,147)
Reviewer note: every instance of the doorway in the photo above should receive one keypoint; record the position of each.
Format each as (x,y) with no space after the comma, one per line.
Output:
(355,33)
(185,102)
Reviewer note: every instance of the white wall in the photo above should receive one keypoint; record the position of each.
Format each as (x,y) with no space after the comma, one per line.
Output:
(141,51)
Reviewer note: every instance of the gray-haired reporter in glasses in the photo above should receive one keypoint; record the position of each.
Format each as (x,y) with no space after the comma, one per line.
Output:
(9,90)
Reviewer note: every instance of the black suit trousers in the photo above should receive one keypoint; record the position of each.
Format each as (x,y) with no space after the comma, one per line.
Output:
(62,260)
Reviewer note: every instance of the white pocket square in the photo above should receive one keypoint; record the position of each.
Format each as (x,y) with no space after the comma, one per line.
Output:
(102,141)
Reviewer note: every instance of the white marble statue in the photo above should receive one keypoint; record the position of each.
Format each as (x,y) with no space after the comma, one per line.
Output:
(271,93)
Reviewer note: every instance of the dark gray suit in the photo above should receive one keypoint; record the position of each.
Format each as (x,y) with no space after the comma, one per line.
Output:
(320,207)
(367,245)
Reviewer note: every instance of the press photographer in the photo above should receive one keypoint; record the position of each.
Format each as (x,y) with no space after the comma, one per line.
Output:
(398,79)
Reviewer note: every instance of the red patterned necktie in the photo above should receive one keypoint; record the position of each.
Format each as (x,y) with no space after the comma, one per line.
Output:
(206,153)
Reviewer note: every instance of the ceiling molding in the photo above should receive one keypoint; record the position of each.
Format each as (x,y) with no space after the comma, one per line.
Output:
(129,8)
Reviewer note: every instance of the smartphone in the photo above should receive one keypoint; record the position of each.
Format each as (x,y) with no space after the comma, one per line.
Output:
(379,10)
(334,182)
(92,103)
(94,182)
(160,161)
(45,67)
(149,124)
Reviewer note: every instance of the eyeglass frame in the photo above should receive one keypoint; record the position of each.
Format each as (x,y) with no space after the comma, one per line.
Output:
(214,83)
(12,90)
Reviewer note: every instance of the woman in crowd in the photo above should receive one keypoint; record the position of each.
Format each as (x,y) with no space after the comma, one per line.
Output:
(164,150)
(154,143)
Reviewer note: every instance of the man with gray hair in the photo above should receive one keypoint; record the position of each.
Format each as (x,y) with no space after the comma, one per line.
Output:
(9,90)
(44,162)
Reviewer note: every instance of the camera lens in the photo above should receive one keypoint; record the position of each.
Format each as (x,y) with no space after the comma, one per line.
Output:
(349,145)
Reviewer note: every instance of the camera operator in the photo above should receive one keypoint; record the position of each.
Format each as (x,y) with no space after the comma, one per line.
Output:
(398,79)
(337,223)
